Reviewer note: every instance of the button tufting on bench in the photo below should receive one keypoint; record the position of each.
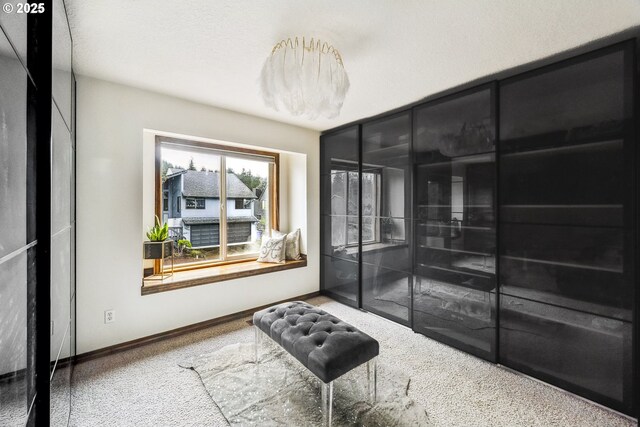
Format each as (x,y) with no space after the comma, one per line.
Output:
(324,344)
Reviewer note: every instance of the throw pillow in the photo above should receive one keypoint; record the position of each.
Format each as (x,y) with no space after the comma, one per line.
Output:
(273,250)
(292,243)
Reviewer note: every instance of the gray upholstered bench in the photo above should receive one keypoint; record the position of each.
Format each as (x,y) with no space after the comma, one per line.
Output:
(324,344)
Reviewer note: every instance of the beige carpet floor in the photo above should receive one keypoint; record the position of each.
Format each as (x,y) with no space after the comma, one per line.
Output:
(146,387)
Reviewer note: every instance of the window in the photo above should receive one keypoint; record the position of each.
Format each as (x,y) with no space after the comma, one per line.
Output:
(195,202)
(220,222)
(178,203)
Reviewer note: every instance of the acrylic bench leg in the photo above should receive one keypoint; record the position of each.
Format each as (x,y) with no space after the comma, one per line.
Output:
(327,403)
(257,343)
(372,379)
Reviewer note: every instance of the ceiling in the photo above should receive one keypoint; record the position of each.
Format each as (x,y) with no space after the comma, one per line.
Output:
(395,51)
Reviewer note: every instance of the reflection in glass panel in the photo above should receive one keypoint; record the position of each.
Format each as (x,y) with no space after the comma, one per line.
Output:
(247,199)
(60,387)
(338,231)
(591,190)
(191,203)
(386,142)
(60,289)
(455,212)
(15,27)
(61,174)
(61,78)
(585,100)
(458,315)
(341,276)
(370,207)
(386,292)
(339,186)
(455,127)
(567,347)
(13,340)
(13,152)
(343,228)
(339,200)
(386,213)
(352,196)
(392,249)
(340,148)
(455,248)
(565,262)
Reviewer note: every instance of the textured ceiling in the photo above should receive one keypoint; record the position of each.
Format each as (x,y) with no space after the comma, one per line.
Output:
(395,51)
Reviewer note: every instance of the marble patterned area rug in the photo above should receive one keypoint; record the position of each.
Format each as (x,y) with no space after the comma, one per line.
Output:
(279,391)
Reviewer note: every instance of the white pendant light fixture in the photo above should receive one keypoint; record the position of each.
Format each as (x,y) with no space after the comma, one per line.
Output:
(304,78)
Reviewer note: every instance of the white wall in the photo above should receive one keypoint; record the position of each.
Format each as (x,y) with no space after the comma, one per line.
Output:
(115,205)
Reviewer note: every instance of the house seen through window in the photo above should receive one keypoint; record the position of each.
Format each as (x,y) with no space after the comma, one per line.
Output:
(215,217)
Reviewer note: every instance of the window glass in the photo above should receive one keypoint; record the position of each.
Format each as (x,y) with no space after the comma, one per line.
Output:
(195,230)
(195,203)
(247,219)
(224,215)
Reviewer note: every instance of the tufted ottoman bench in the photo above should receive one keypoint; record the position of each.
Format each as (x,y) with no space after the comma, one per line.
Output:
(324,344)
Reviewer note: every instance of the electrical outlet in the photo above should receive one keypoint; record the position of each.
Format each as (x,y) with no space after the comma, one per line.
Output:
(109,316)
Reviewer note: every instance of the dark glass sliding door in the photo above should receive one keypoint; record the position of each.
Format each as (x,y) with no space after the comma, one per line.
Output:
(567,225)
(340,201)
(501,220)
(62,220)
(17,233)
(454,296)
(386,217)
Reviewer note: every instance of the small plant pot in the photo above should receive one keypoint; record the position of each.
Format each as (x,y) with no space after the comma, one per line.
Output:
(158,250)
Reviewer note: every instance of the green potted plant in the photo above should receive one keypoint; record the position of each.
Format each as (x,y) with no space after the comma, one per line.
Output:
(159,245)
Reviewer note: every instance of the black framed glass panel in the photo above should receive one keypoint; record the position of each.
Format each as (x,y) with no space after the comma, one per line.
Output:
(17,248)
(340,204)
(566,224)
(386,217)
(14,403)
(13,150)
(386,292)
(60,386)
(455,266)
(579,351)
(62,50)
(14,25)
(60,291)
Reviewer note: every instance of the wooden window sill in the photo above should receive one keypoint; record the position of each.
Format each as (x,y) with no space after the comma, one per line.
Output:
(204,276)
